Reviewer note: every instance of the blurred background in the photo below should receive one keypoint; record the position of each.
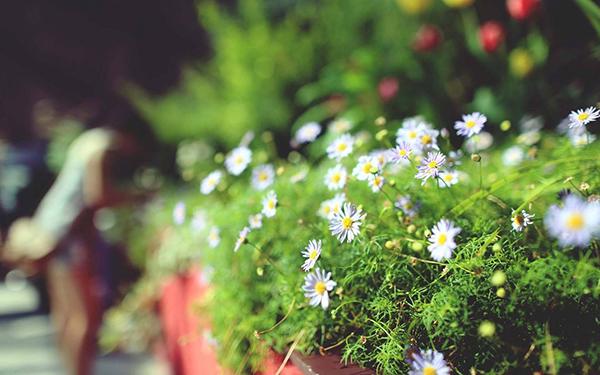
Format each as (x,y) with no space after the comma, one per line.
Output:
(103,103)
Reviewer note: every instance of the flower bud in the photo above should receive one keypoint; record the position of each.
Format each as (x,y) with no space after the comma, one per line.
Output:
(487,329)
(491,36)
(522,9)
(498,278)
(505,125)
(476,158)
(501,292)
(428,37)
(380,136)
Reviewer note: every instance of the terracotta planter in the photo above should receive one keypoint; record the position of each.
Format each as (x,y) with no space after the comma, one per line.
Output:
(191,353)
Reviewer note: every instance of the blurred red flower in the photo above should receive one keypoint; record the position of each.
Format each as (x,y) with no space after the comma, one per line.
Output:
(427,38)
(387,88)
(522,9)
(491,36)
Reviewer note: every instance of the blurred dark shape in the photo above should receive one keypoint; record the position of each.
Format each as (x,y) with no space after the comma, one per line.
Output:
(80,53)
(388,88)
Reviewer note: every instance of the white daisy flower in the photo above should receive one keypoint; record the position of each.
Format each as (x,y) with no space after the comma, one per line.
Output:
(345,225)
(376,183)
(307,133)
(405,204)
(336,177)
(442,240)
(255,221)
(238,159)
(269,204)
(311,253)
(411,130)
(428,362)
(380,157)
(263,176)
(179,213)
(470,124)
(341,147)
(214,237)
(428,139)
(513,156)
(520,220)
(400,153)
(340,126)
(242,238)
(576,223)
(366,167)
(583,117)
(332,206)
(447,178)
(316,288)
(430,166)
(210,182)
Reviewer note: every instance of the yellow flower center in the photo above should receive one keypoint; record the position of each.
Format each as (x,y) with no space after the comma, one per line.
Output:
(320,287)
(326,209)
(336,208)
(432,164)
(347,223)
(429,371)
(263,176)
(313,255)
(367,167)
(448,178)
(342,147)
(575,221)
(336,178)
(412,134)
(426,139)
(469,124)
(402,152)
(442,238)
(583,116)
(271,204)
(239,159)
(518,220)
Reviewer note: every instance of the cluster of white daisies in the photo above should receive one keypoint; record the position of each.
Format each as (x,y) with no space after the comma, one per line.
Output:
(574,223)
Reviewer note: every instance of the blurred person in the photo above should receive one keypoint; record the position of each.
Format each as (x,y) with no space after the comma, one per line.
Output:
(62,239)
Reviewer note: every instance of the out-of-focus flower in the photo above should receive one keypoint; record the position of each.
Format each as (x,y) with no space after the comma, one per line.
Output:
(341,147)
(479,142)
(447,178)
(255,221)
(179,213)
(376,183)
(407,206)
(458,3)
(311,253)
(316,288)
(414,6)
(521,62)
(336,177)
(576,223)
(307,133)
(199,220)
(210,182)
(340,126)
(428,362)
(513,156)
(520,220)
(333,206)
(522,9)
(237,160)
(427,38)
(269,204)
(470,125)
(388,88)
(491,36)
(214,237)
(263,176)
(581,139)
(453,158)
(345,225)
(242,238)
(583,117)
(442,240)
(366,167)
